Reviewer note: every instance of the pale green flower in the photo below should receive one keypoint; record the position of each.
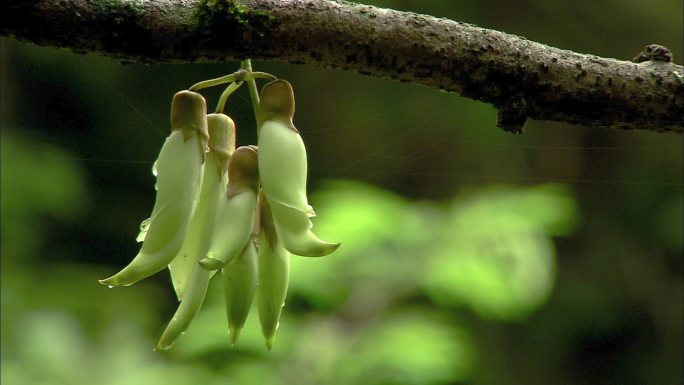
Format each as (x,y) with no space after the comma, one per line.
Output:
(283,172)
(189,279)
(274,276)
(235,216)
(240,284)
(179,171)
(211,213)
(215,180)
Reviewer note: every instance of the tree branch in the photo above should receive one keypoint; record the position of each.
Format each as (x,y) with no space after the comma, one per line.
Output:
(523,79)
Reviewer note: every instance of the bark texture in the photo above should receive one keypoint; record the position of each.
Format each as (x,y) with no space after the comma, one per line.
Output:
(521,78)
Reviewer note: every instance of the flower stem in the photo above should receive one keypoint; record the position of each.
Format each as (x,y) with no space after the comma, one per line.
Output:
(224,96)
(213,82)
(251,85)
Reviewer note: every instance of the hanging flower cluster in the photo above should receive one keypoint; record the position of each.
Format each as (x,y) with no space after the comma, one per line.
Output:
(240,211)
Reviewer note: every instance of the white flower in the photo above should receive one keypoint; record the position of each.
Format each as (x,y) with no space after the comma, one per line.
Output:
(179,171)
(283,169)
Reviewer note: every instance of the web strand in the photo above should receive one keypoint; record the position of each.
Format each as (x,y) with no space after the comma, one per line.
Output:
(437,145)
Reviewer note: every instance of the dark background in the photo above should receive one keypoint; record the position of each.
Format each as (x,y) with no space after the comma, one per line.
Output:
(470,255)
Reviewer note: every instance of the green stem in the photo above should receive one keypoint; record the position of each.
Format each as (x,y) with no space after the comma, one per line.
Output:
(251,85)
(213,82)
(224,96)
(263,75)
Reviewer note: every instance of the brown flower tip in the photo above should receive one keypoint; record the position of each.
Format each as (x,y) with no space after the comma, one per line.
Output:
(188,113)
(277,102)
(243,171)
(221,138)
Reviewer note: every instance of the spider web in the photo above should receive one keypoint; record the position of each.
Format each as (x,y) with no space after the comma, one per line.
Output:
(425,115)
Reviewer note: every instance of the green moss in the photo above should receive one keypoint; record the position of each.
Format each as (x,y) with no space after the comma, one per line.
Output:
(233,17)
(124,10)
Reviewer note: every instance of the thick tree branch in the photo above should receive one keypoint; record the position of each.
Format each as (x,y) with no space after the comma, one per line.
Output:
(523,79)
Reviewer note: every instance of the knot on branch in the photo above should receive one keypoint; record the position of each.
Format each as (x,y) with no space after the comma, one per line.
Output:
(654,52)
(513,114)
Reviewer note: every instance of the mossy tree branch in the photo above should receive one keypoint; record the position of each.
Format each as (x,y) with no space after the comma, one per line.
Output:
(521,78)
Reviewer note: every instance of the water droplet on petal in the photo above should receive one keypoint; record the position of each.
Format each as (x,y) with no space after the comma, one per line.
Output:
(206,149)
(145,225)
(154,169)
(110,286)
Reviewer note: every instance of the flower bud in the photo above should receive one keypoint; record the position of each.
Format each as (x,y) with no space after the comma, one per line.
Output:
(283,169)
(221,139)
(179,171)
(190,305)
(240,283)
(274,275)
(244,171)
(198,238)
(188,114)
(277,103)
(188,278)
(235,214)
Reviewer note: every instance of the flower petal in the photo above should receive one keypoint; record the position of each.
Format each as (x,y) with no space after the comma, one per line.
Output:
(294,230)
(198,238)
(190,304)
(240,283)
(235,217)
(274,275)
(179,171)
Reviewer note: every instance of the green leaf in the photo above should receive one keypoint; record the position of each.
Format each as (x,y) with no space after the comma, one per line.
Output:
(496,255)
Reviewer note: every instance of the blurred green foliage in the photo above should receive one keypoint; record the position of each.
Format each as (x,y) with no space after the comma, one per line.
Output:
(33,170)
(497,256)
(469,256)
(370,331)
